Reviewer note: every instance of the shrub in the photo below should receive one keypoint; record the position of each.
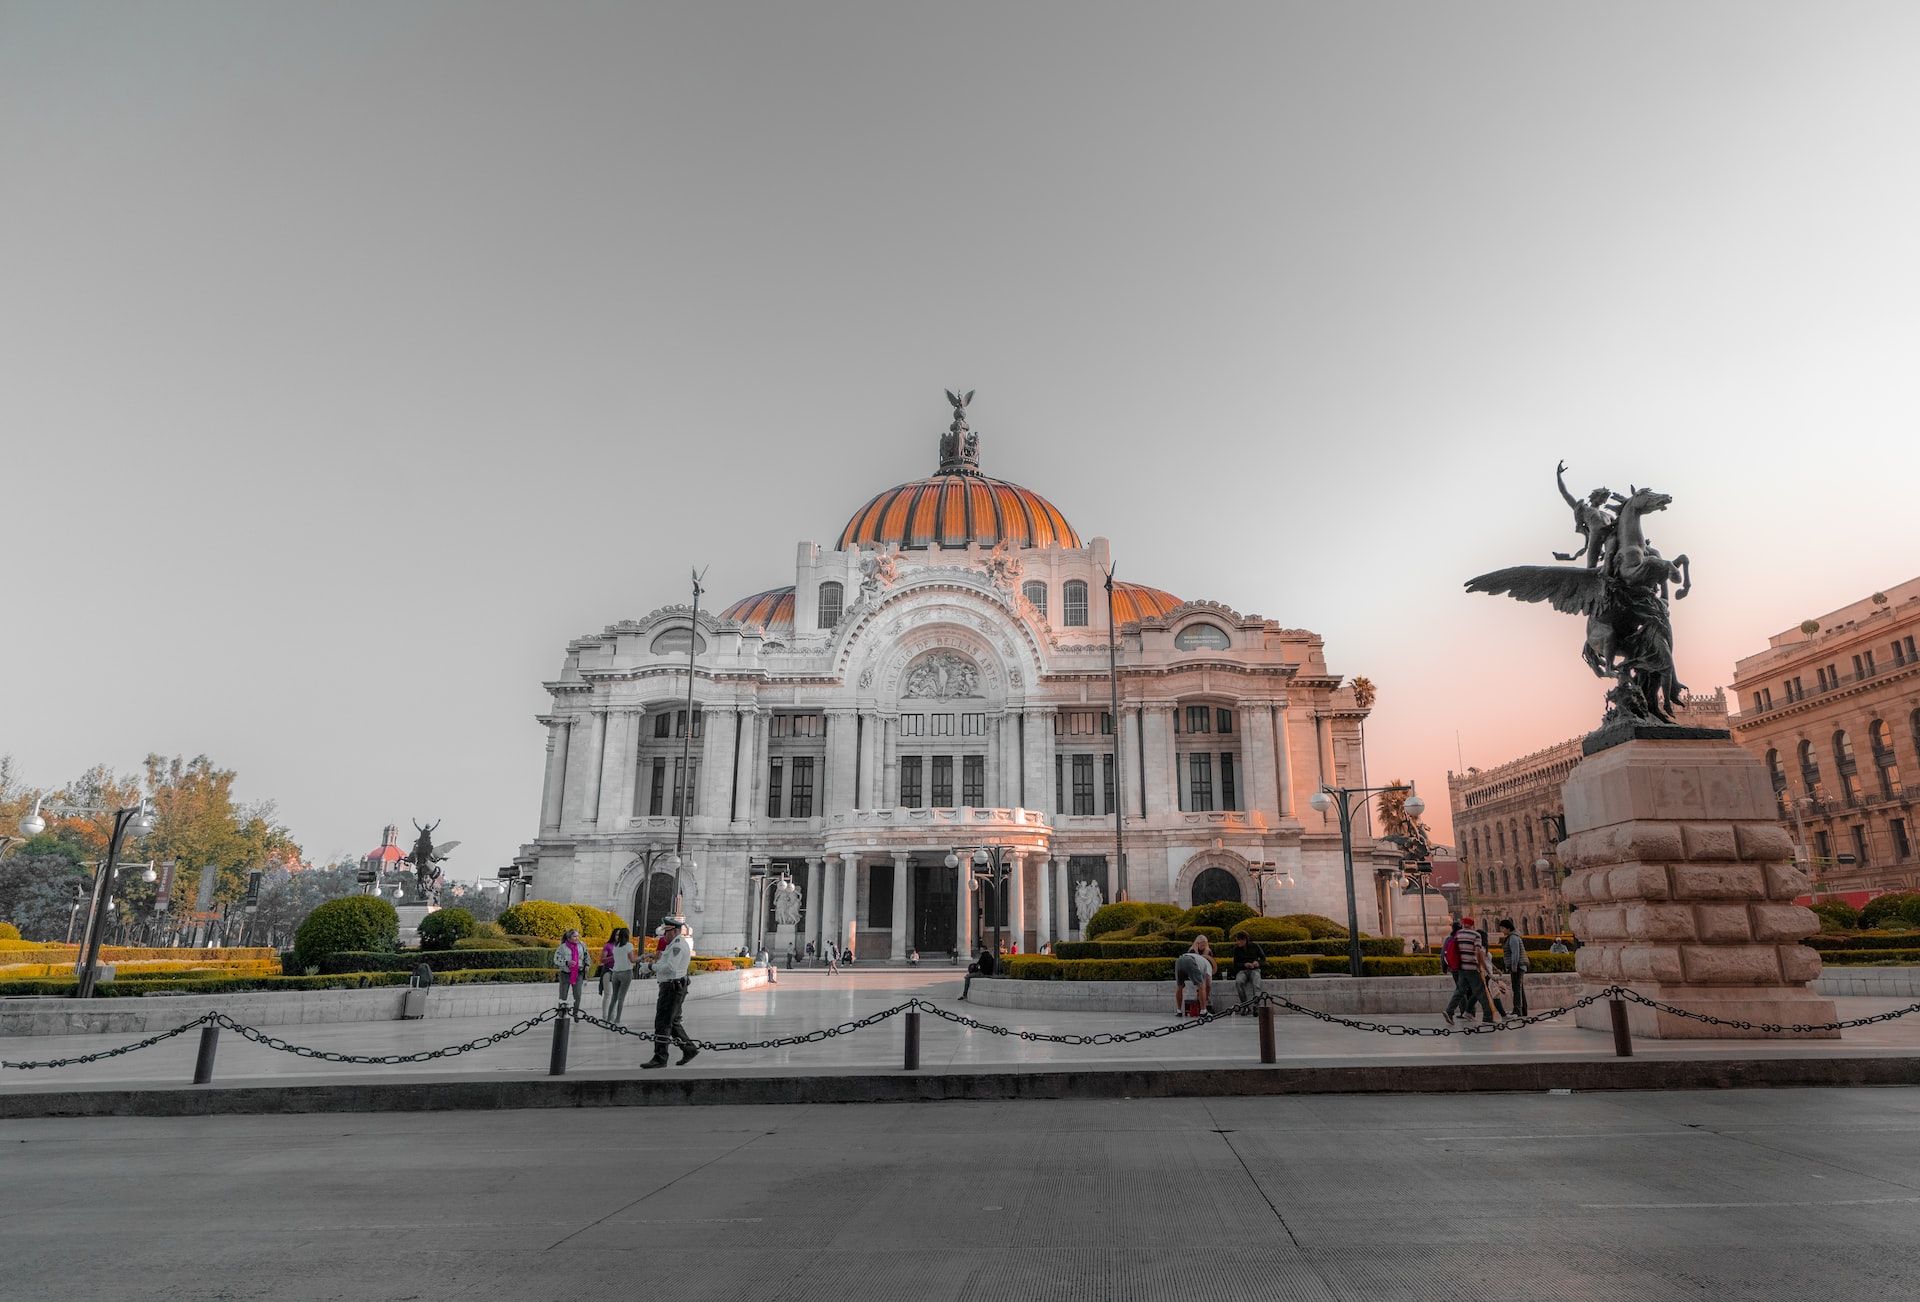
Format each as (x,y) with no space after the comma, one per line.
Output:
(1113,917)
(1184,935)
(1221,913)
(488,931)
(480,940)
(1863,957)
(363,922)
(443,927)
(597,924)
(1877,939)
(543,918)
(1903,906)
(533,942)
(1033,967)
(439,960)
(8,931)
(1316,926)
(1837,915)
(1268,929)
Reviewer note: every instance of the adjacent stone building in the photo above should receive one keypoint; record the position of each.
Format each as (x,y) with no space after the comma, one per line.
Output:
(1832,708)
(1501,836)
(937,679)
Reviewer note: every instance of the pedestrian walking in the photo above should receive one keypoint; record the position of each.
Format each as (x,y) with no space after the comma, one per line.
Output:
(1195,968)
(1247,957)
(570,956)
(833,957)
(618,958)
(984,966)
(671,967)
(1513,947)
(1472,988)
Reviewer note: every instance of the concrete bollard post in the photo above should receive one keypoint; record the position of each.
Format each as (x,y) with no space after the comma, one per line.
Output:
(1268,1054)
(209,1045)
(913,1041)
(1622,1035)
(562,1026)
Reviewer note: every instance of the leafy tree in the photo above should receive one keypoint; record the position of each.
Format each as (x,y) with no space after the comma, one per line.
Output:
(37,881)
(1410,834)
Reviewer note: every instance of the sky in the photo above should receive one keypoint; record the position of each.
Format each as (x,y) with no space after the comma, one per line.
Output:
(360,355)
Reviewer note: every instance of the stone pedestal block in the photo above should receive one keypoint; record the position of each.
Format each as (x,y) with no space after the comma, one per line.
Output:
(1684,886)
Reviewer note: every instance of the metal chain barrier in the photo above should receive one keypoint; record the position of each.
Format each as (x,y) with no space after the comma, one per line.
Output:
(1097,1038)
(1775,1028)
(135,1047)
(261,1038)
(1472,1028)
(727,1046)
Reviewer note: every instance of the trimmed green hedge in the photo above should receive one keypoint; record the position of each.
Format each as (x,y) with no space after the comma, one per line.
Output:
(543,918)
(1129,913)
(1317,926)
(1864,940)
(1903,906)
(1220,913)
(443,928)
(1376,946)
(362,922)
(439,960)
(1265,930)
(1864,957)
(1185,934)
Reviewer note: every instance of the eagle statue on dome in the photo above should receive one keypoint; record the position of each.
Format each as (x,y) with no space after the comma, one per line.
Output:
(959,446)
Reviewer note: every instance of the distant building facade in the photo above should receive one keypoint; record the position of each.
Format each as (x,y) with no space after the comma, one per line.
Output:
(934,680)
(1832,708)
(1501,837)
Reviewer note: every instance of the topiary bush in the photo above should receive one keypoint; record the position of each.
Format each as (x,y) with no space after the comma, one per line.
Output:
(1268,930)
(363,922)
(8,931)
(1220,913)
(1184,935)
(1837,915)
(1128,914)
(489,931)
(597,924)
(439,960)
(442,928)
(1894,906)
(1317,927)
(545,919)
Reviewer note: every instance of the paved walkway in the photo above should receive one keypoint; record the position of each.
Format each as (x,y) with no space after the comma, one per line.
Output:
(1641,1197)
(805,1001)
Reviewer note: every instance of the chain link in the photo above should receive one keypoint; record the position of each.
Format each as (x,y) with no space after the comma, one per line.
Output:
(261,1038)
(135,1047)
(1394,1028)
(1098,1038)
(728,1046)
(1771,1028)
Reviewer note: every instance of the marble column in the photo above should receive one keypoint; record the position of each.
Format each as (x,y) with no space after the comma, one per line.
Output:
(583,771)
(1062,917)
(838,793)
(552,794)
(889,762)
(1156,758)
(1259,794)
(850,902)
(1043,905)
(1283,761)
(902,942)
(713,783)
(1323,741)
(1037,760)
(1012,772)
(868,728)
(746,764)
(629,768)
(963,911)
(1130,773)
(1016,892)
(991,795)
(817,903)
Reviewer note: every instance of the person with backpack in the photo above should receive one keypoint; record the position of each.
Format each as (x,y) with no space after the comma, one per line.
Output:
(1471,983)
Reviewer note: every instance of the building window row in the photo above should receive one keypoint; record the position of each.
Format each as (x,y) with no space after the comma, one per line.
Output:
(673,723)
(1073,784)
(1073,601)
(1203,718)
(942,725)
(799,725)
(795,774)
(1083,723)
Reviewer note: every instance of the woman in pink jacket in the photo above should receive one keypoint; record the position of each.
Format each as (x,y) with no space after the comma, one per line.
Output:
(570,956)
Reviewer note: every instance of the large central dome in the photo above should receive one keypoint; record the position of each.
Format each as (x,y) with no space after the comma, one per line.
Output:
(958,505)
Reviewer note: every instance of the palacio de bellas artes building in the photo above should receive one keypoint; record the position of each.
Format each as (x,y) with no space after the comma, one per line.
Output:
(934,681)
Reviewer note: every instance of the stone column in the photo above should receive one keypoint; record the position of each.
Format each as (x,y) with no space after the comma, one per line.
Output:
(1062,916)
(902,942)
(1157,721)
(713,789)
(1127,740)
(963,910)
(1323,741)
(629,768)
(1012,769)
(583,771)
(889,762)
(1283,761)
(817,903)
(838,781)
(1259,790)
(1685,884)
(1016,893)
(553,792)
(867,727)
(1043,905)
(746,782)
(849,901)
(991,796)
(606,799)
(1037,760)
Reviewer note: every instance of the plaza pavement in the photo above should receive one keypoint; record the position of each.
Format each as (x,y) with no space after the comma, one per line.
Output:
(1748,1195)
(808,1000)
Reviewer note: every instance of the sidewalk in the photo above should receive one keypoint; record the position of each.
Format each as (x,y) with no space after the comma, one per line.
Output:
(809,1000)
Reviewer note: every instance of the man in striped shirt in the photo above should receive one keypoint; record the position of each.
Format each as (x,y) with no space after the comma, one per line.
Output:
(1472,983)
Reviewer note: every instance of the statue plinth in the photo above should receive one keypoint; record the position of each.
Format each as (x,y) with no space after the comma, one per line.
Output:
(1684,884)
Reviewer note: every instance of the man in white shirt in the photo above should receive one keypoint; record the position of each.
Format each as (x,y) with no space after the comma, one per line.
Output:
(670,967)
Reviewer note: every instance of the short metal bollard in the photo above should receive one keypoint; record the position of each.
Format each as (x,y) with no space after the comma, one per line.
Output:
(913,1041)
(562,1025)
(1622,1036)
(1268,1054)
(209,1045)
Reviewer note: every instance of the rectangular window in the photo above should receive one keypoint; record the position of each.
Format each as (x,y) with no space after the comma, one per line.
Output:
(1869,656)
(1223,721)
(1859,670)
(1822,846)
(1199,718)
(800,804)
(799,725)
(688,790)
(973,725)
(913,725)
(942,783)
(1106,723)
(1106,784)
(1073,604)
(662,724)
(1229,798)
(973,780)
(773,790)
(1899,654)
(943,725)
(1059,783)
(1902,847)
(1200,770)
(1860,845)
(1083,784)
(657,790)
(910,782)
(680,723)
(880,887)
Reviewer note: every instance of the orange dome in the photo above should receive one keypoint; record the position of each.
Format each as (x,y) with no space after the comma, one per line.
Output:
(1133,601)
(772,609)
(952,510)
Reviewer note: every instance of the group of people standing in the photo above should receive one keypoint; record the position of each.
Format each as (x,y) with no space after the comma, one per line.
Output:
(621,957)
(1478,970)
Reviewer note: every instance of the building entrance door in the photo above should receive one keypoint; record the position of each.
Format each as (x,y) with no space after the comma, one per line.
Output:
(933,906)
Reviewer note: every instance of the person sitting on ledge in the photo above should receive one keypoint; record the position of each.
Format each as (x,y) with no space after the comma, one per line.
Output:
(982,966)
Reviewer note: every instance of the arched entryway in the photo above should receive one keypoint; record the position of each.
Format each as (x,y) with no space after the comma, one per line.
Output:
(1214,884)
(655,904)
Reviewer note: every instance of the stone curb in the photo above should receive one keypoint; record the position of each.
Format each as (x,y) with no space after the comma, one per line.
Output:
(901,1087)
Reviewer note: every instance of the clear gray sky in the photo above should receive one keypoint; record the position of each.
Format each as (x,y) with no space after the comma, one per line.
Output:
(359,355)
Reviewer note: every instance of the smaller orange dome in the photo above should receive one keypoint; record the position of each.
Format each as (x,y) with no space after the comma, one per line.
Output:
(771,610)
(1132,601)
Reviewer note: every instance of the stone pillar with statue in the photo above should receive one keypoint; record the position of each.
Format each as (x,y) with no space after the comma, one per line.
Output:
(1683,878)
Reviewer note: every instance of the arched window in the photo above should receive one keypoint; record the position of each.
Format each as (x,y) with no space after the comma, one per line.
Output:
(1036,594)
(1847,764)
(1500,831)
(832,597)
(1506,887)
(1215,884)
(1533,874)
(1073,603)
(1809,768)
(1777,770)
(1882,737)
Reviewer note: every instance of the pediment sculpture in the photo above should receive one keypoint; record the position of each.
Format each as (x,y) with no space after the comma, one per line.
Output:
(942,675)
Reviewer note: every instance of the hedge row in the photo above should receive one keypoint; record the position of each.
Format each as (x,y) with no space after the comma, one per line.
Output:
(1862,957)
(1040,967)
(1827,942)
(334,981)
(439,960)
(1377,946)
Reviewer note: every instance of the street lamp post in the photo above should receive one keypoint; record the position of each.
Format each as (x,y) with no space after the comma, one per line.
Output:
(136,819)
(1119,777)
(1342,798)
(686,747)
(1261,872)
(989,867)
(1555,827)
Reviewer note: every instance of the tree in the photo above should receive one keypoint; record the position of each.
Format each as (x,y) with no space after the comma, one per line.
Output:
(1402,829)
(37,881)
